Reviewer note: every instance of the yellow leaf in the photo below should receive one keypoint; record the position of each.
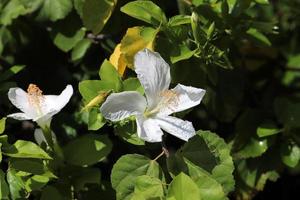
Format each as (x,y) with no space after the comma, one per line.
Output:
(117,60)
(136,39)
(97,100)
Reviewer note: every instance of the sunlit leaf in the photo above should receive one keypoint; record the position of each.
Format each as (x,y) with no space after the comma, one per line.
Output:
(54,9)
(290,154)
(183,187)
(146,11)
(117,59)
(25,149)
(148,187)
(136,39)
(109,73)
(127,169)
(267,129)
(2,125)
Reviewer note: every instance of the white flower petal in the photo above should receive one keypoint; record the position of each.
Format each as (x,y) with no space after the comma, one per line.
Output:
(148,129)
(185,97)
(119,106)
(177,127)
(19,116)
(39,136)
(54,103)
(153,73)
(19,98)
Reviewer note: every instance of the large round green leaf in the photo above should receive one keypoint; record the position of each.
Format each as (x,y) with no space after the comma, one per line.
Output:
(147,187)
(127,169)
(182,188)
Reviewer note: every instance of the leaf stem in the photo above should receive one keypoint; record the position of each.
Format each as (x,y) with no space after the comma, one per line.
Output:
(160,155)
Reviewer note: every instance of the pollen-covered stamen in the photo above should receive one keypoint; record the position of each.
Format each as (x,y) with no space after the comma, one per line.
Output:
(35,97)
(168,99)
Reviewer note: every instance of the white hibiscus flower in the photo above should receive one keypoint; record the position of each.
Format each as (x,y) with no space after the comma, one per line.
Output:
(153,112)
(36,106)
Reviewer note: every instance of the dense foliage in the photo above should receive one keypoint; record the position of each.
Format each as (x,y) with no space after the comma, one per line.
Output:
(244,53)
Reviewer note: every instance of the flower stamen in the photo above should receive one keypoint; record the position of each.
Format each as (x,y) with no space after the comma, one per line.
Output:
(168,99)
(35,97)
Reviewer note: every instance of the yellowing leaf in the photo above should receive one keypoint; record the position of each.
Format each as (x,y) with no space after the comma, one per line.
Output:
(96,100)
(136,39)
(117,59)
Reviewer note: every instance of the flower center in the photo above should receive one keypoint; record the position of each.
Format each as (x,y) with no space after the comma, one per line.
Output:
(168,99)
(35,97)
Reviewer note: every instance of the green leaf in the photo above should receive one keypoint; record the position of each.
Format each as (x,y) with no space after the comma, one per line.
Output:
(246,143)
(262,1)
(240,6)
(55,9)
(12,10)
(32,166)
(178,20)
(89,89)
(80,49)
(96,120)
(252,174)
(0,152)
(36,182)
(146,11)
(78,5)
(87,150)
(258,36)
(109,73)
(133,84)
(287,112)
(209,152)
(199,2)
(51,193)
(231,4)
(290,154)
(11,71)
(294,61)
(183,187)
(127,169)
(181,52)
(198,33)
(25,149)
(209,188)
(2,125)
(68,33)
(16,185)
(254,148)
(267,129)
(101,12)
(5,86)
(136,39)
(148,187)
(4,190)
(128,133)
